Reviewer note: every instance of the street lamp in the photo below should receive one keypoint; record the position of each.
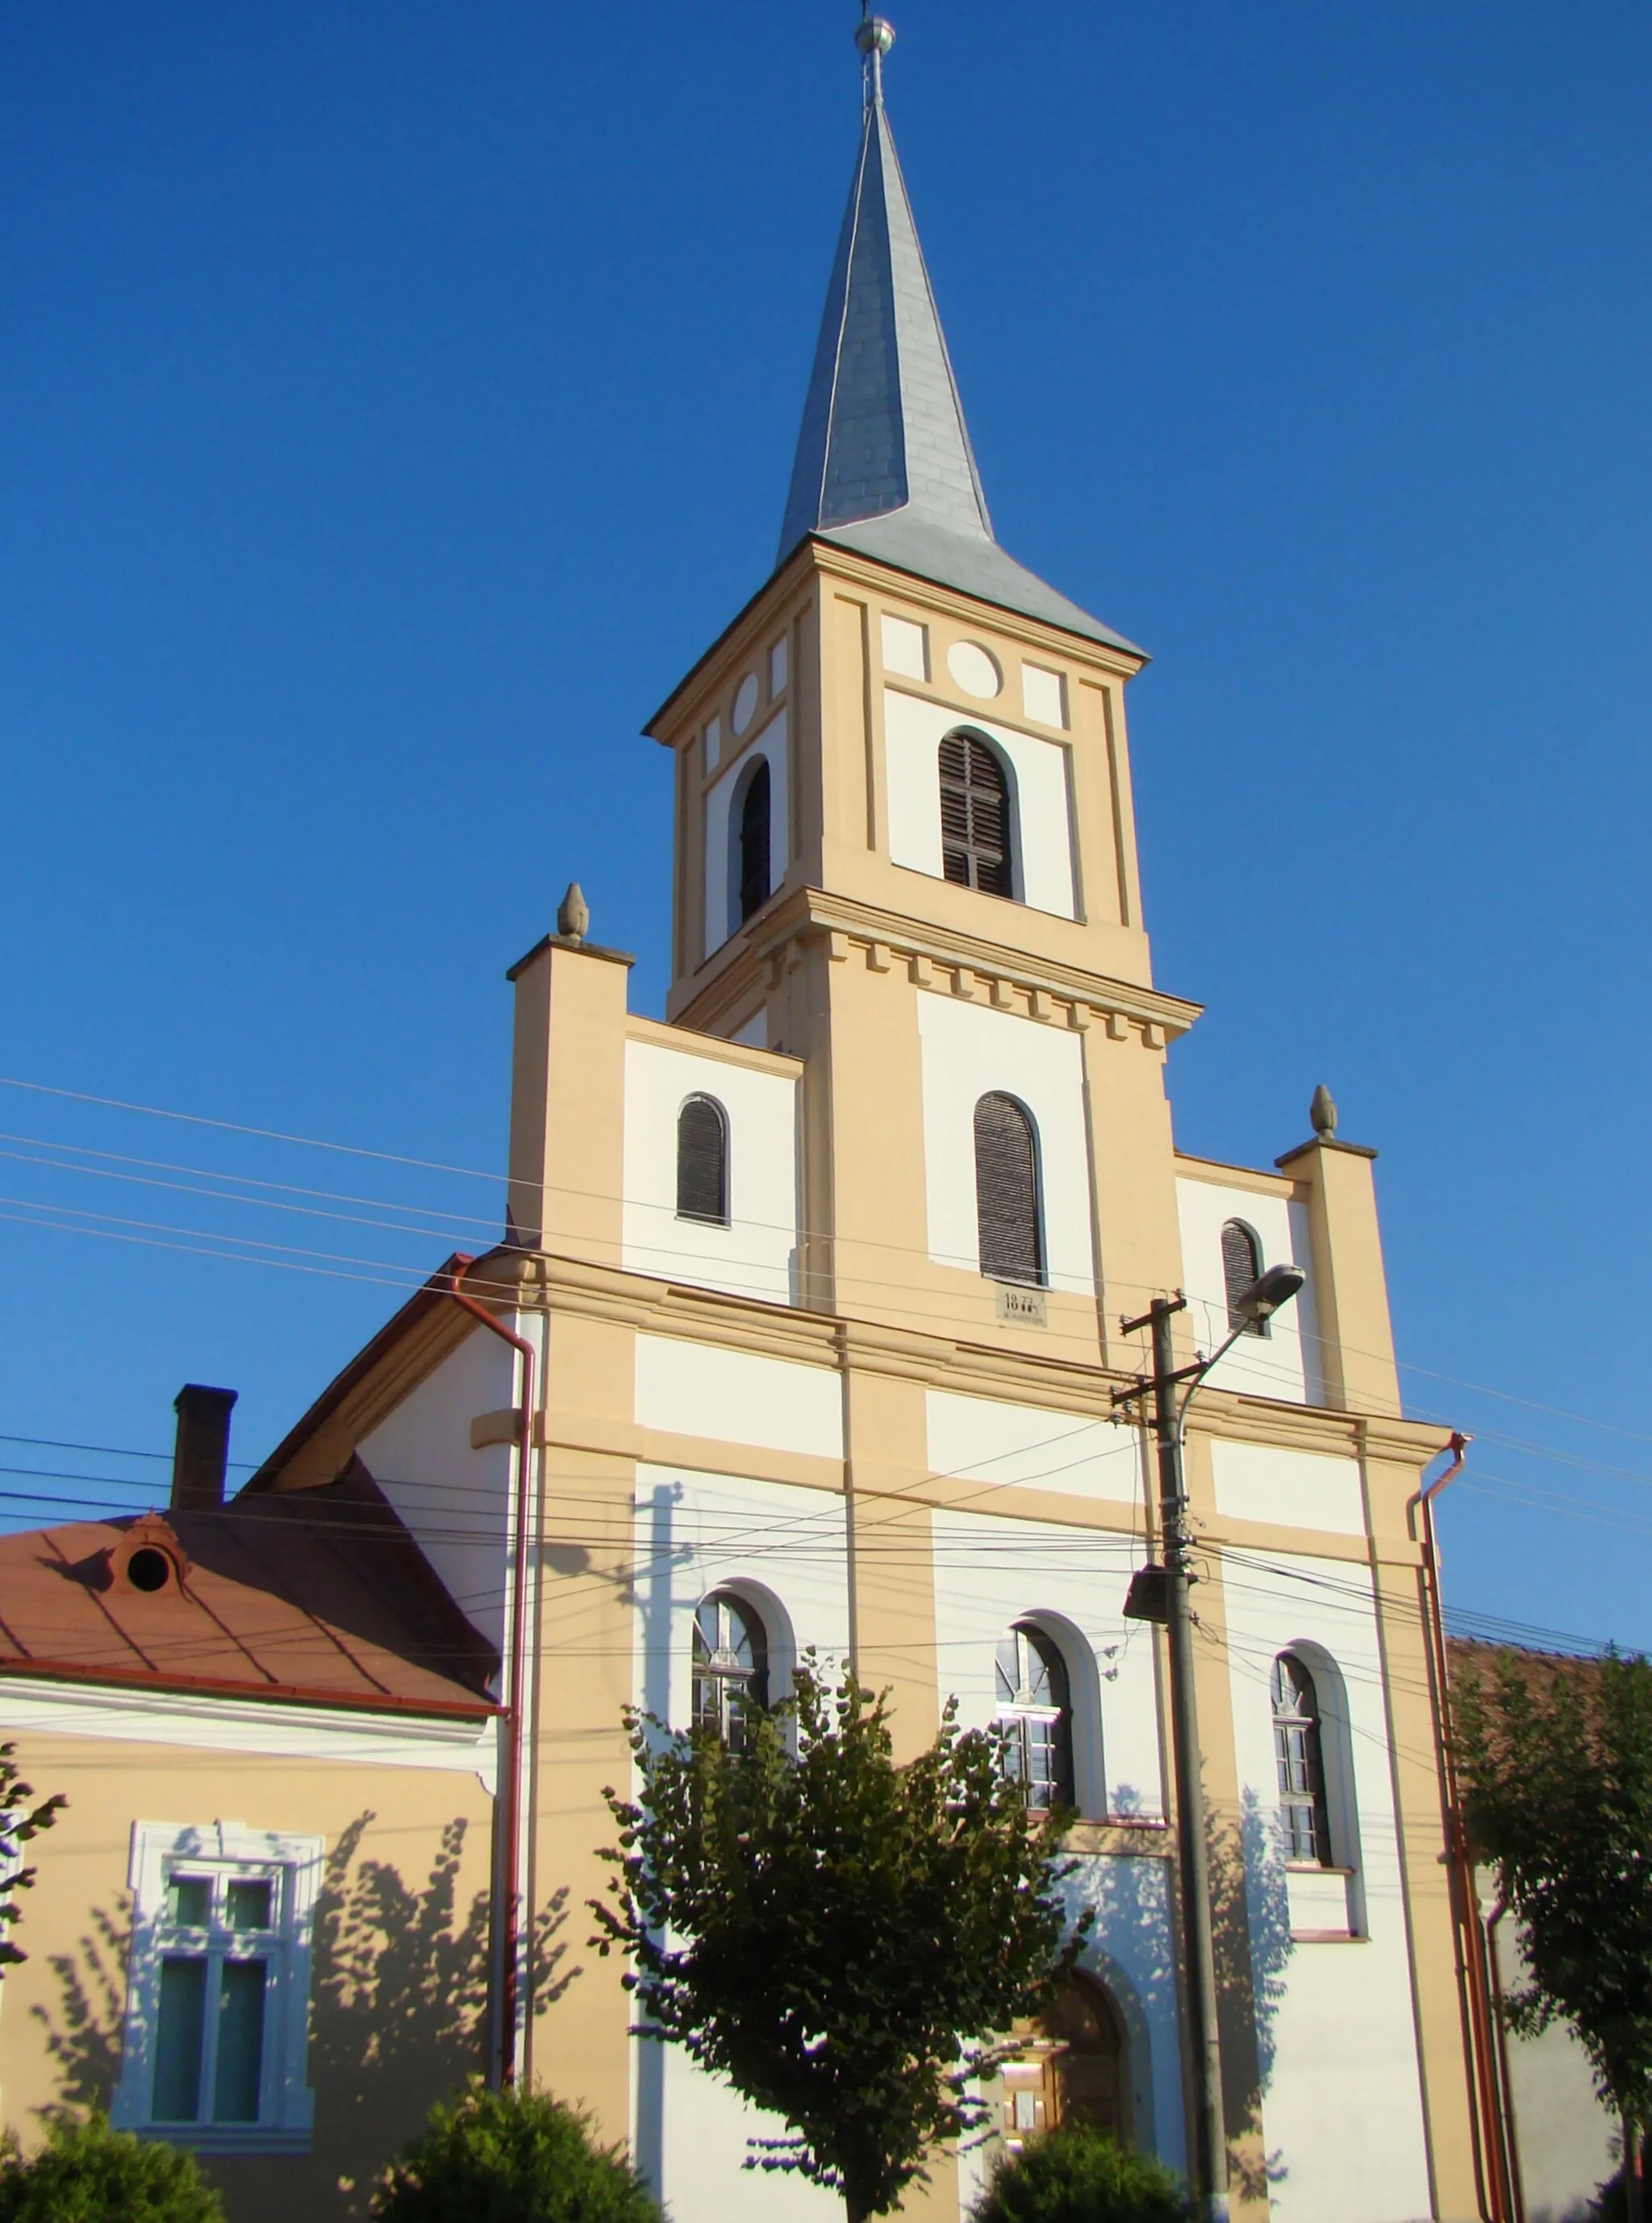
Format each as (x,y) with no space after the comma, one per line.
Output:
(1160,1594)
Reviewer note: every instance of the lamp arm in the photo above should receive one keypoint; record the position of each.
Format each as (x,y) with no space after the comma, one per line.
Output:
(1199,1379)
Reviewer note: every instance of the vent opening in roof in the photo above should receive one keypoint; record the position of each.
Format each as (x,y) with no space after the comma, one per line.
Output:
(148,1569)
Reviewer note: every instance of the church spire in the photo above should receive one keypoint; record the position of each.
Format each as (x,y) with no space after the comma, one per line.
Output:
(884,465)
(883,429)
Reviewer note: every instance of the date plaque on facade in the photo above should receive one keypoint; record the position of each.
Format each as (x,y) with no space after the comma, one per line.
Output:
(1027,1307)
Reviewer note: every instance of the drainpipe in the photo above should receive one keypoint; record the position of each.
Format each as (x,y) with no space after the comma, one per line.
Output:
(1495,2194)
(506,1924)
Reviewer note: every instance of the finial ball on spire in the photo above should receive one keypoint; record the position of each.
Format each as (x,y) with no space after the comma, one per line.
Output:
(876,34)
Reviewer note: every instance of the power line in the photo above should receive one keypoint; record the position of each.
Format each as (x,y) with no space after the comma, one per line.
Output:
(645,1204)
(232,1127)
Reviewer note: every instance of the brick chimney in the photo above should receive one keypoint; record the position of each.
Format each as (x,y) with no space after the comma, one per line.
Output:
(201,1452)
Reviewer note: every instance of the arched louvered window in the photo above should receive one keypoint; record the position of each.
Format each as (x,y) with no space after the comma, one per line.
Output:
(702,1161)
(1241,1264)
(1035,1711)
(754,841)
(975,842)
(1006,1192)
(731,1666)
(1299,1753)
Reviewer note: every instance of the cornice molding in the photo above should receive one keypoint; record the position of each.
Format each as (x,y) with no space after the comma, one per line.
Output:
(1221,1174)
(819,559)
(940,960)
(544,1282)
(695,1042)
(842,565)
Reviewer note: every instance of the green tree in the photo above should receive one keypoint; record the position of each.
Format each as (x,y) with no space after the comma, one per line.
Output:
(86,2173)
(19,1824)
(1556,1761)
(511,2157)
(1081,2176)
(838,1936)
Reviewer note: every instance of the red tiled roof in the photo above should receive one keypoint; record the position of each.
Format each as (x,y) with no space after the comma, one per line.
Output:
(321,1595)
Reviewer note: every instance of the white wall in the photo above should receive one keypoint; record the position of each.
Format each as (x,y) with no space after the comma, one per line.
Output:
(1284,1363)
(751,1256)
(913,732)
(1564,2136)
(456,1500)
(990,1574)
(700,1390)
(968,1049)
(1342,2107)
(1029,1446)
(722,838)
(1131,1950)
(1300,1490)
(786,1550)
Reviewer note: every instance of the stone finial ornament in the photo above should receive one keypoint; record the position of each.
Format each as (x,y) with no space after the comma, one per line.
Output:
(574,918)
(1322,1113)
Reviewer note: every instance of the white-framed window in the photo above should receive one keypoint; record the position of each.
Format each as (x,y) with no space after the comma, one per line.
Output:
(731,1666)
(218,1997)
(1035,1711)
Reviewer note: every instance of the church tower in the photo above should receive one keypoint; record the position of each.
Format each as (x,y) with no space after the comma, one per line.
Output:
(905,854)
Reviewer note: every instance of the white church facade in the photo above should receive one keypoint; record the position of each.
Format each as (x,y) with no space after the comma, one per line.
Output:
(811,1294)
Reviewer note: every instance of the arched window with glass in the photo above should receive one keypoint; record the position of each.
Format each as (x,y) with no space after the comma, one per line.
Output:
(702,1161)
(1035,1711)
(1241,1265)
(976,835)
(754,860)
(1299,1755)
(1008,1219)
(731,1667)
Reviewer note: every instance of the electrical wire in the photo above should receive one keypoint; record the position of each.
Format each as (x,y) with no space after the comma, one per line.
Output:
(474,1173)
(409,1278)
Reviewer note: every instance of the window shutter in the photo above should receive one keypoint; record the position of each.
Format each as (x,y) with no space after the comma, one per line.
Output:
(702,1161)
(754,843)
(1006,1192)
(1241,1263)
(975,817)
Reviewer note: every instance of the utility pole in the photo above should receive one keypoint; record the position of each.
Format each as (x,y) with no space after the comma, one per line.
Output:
(1167,1600)
(1193,1858)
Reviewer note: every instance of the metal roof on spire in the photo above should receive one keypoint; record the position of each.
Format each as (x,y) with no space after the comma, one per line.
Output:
(884,465)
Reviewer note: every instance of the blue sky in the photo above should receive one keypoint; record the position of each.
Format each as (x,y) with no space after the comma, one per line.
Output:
(397,399)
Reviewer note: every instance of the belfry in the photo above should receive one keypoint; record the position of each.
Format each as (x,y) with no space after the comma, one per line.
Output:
(808,1328)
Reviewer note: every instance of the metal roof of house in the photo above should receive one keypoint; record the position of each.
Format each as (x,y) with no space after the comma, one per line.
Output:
(884,465)
(320,1596)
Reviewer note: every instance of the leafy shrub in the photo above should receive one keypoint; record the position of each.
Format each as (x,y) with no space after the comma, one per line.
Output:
(1081,2176)
(1610,2203)
(510,2157)
(86,2173)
